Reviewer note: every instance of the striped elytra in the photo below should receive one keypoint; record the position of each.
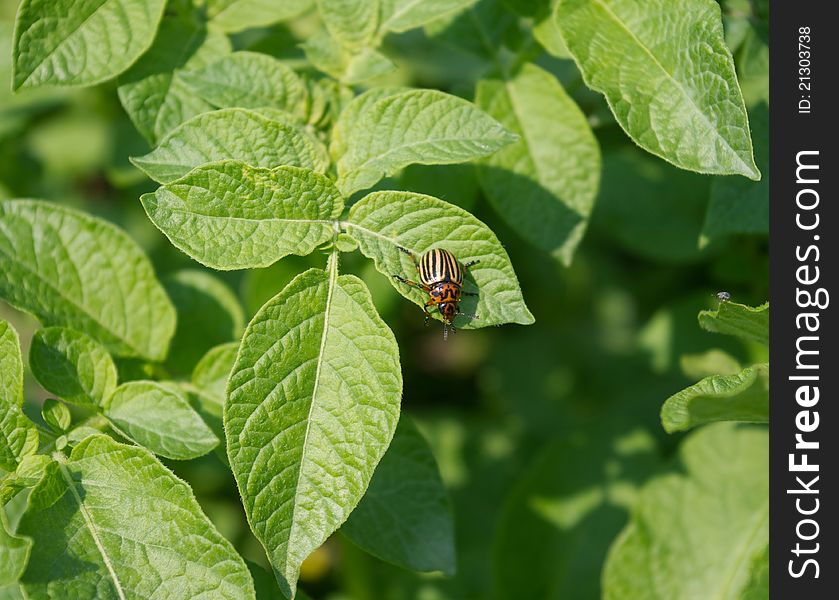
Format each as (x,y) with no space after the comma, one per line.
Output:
(439,266)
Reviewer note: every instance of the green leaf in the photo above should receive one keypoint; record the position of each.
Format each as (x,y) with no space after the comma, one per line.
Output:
(113,523)
(250,80)
(566,509)
(14,553)
(56,414)
(72,365)
(236,15)
(743,396)
(544,185)
(81,43)
(738,205)
(405,516)
(352,22)
(711,362)
(402,15)
(18,435)
(668,77)
(159,418)
(413,126)
(348,66)
(480,29)
(546,32)
(233,133)
(305,429)
(208,314)
(229,215)
(694,535)
(212,371)
(746,322)
(28,473)
(68,268)
(154,93)
(758,586)
(382,221)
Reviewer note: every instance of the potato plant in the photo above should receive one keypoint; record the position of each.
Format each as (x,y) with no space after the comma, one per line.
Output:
(213,352)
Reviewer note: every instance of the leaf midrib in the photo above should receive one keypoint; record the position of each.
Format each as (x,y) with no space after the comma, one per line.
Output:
(91,526)
(675,82)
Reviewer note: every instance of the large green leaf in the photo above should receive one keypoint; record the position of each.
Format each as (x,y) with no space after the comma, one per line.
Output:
(81,43)
(402,15)
(72,365)
(313,401)
(18,436)
(731,318)
(234,133)
(383,221)
(208,314)
(111,522)
(14,553)
(160,418)
(668,77)
(153,92)
(405,516)
(743,396)
(352,22)
(68,268)
(235,15)
(250,80)
(229,215)
(694,536)
(412,126)
(738,205)
(544,185)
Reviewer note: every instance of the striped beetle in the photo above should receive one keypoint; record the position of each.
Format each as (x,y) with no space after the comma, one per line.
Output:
(441,277)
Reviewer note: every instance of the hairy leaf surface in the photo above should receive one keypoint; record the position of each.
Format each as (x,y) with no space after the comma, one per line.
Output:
(743,396)
(544,185)
(72,365)
(383,221)
(81,43)
(696,535)
(412,126)
(111,522)
(405,516)
(668,77)
(68,268)
(352,22)
(313,401)
(230,215)
(18,436)
(158,417)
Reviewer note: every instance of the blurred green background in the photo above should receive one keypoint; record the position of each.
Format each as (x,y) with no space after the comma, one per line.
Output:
(543,433)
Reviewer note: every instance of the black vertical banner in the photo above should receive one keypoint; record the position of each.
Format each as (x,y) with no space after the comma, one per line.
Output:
(804,221)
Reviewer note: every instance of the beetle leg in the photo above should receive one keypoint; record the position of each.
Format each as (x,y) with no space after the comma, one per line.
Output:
(471,263)
(469,294)
(401,279)
(411,254)
(470,315)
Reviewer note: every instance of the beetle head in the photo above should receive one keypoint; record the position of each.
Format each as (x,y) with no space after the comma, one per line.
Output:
(449,311)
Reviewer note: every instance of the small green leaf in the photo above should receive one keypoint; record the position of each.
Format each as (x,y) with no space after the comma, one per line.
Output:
(113,523)
(104,287)
(352,22)
(405,517)
(306,428)
(668,77)
(547,33)
(60,43)
(250,80)
(159,418)
(738,205)
(208,314)
(413,126)
(349,67)
(72,365)
(14,553)
(154,93)
(236,15)
(695,535)
(544,185)
(743,396)
(18,435)
(345,243)
(738,319)
(233,133)
(56,414)
(229,215)
(402,15)
(28,473)
(383,221)
(212,371)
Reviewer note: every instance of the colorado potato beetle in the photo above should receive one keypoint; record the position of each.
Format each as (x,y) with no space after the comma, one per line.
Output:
(441,277)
